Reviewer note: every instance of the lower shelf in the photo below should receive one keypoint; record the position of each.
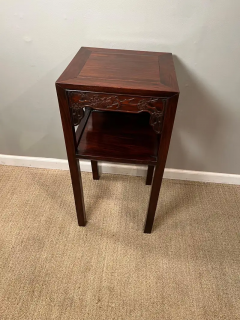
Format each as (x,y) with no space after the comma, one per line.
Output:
(118,137)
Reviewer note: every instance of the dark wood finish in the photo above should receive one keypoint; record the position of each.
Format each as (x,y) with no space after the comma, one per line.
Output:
(149,175)
(70,141)
(105,139)
(124,104)
(162,157)
(121,103)
(95,170)
(121,71)
(82,124)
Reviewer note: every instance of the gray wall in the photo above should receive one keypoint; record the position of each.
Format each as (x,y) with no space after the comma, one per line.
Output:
(39,38)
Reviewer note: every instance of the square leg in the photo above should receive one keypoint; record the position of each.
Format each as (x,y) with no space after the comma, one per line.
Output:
(70,142)
(156,185)
(95,171)
(149,175)
(77,190)
(162,157)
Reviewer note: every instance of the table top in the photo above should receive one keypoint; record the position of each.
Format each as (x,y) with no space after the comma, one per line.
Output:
(121,71)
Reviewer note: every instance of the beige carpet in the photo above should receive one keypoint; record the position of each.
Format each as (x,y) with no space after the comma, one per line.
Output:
(188,268)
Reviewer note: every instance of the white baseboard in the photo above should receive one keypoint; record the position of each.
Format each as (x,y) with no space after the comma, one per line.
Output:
(115,168)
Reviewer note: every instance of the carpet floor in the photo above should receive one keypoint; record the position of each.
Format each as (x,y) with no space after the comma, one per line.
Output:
(188,268)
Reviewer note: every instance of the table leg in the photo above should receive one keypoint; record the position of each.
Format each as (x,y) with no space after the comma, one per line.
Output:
(95,171)
(149,175)
(162,157)
(156,185)
(70,141)
(77,190)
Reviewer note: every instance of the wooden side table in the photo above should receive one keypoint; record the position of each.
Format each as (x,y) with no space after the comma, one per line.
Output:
(118,106)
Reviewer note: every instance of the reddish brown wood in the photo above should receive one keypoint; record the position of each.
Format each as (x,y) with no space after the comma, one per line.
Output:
(137,92)
(121,71)
(70,141)
(82,125)
(149,175)
(119,137)
(162,157)
(95,171)
(75,66)
(120,103)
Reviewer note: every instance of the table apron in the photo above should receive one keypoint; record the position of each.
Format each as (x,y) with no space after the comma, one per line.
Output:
(78,100)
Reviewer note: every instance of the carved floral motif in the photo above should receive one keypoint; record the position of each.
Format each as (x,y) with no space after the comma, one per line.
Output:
(77,113)
(99,101)
(156,114)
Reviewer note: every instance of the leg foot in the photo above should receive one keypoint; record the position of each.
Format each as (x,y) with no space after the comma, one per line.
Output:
(78,191)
